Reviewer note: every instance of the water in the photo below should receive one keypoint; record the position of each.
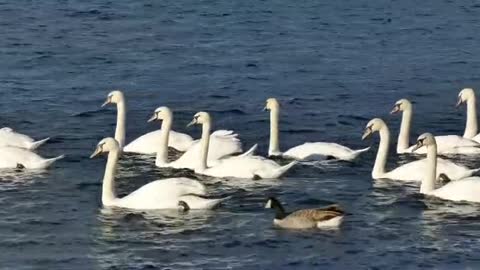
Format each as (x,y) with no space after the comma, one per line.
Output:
(334,65)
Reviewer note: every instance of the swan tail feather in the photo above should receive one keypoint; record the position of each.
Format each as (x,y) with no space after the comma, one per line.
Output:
(356,153)
(50,161)
(37,144)
(474,171)
(250,151)
(282,170)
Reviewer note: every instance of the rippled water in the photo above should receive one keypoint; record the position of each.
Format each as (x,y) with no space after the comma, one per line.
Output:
(333,64)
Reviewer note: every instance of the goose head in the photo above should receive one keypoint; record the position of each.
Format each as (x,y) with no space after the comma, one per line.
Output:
(104,146)
(200,118)
(426,139)
(465,95)
(271,203)
(401,105)
(373,126)
(271,104)
(183,206)
(161,113)
(114,97)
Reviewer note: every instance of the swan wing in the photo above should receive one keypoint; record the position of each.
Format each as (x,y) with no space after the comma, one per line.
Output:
(10,157)
(325,149)
(415,170)
(8,137)
(467,189)
(149,142)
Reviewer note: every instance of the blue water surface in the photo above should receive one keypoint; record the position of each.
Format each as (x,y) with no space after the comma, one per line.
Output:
(333,65)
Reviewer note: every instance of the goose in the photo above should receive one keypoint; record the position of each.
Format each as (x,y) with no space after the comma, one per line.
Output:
(244,166)
(321,218)
(412,171)
(159,194)
(467,189)
(8,137)
(308,150)
(467,95)
(15,157)
(447,144)
(145,144)
(223,143)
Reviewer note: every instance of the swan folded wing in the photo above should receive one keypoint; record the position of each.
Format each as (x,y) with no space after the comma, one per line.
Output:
(310,149)
(12,138)
(467,189)
(10,157)
(149,142)
(224,133)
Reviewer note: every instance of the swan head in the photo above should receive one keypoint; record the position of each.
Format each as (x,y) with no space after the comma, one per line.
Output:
(161,113)
(200,118)
(465,95)
(104,146)
(426,139)
(271,104)
(116,96)
(401,105)
(373,126)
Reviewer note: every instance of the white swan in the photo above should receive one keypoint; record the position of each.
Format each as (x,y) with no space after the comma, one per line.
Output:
(13,157)
(307,150)
(412,171)
(467,189)
(159,194)
(467,95)
(8,137)
(145,144)
(223,143)
(243,166)
(447,144)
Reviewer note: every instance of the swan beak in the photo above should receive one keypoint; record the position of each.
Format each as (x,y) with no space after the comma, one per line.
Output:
(153,118)
(366,134)
(106,102)
(194,121)
(459,102)
(98,150)
(265,108)
(395,110)
(417,146)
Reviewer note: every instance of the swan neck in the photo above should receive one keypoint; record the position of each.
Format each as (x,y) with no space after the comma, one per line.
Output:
(108,186)
(274,146)
(162,152)
(121,122)
(205,142)
(471,128)
(428,183)
(404,135)
(381,159)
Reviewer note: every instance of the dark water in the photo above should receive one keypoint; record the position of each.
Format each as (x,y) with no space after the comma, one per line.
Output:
(333,64)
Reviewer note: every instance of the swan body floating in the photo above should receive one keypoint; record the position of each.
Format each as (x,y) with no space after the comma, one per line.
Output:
(309,150)
(223,143)
(448,144)
(412,171)
(467,95)
(14,157)
(159,194)
(145,144)
(243,166)
(8,137)
(327,217)
(467,189)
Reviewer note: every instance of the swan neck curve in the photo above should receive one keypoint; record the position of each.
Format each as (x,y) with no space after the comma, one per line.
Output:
(428,183)
(108,186)
(205,142)
(471,127)
(121,122)
(274,145)
(403,142)
(381,159)
(162,152)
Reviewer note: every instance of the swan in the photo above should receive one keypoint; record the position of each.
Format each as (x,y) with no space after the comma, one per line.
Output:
(223,143)
(327,217)
(8,137)
(467,95)
(467,189)
(243,166)
(308,149)
(159,194)
(145,144)
(447,144)
(14,157)
(412,171)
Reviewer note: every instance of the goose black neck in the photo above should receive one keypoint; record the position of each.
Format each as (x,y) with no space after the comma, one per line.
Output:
(279,211)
